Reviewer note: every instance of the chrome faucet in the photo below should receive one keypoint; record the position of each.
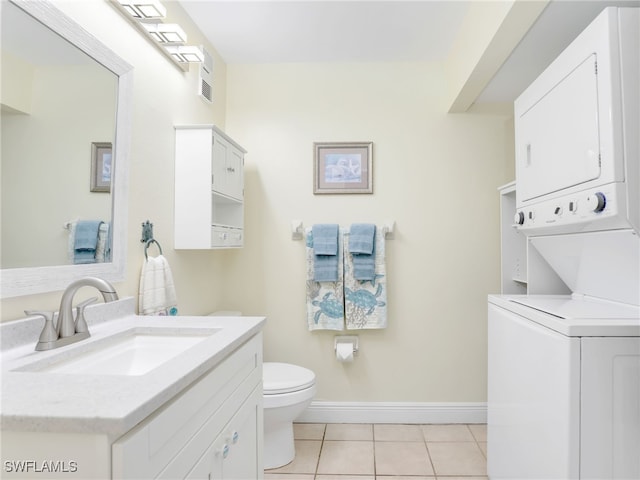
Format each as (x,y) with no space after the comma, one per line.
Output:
(69,330)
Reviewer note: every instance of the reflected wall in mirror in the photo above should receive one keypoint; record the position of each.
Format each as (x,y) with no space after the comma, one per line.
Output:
(62,92)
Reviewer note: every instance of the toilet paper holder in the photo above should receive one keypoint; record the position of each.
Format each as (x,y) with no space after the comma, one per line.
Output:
(352,339)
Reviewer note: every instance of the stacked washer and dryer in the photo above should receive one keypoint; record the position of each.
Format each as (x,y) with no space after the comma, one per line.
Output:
(564,368)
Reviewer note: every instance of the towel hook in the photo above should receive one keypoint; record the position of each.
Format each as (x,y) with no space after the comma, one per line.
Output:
(149,242)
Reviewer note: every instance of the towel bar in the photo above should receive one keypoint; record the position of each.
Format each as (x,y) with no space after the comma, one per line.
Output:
(297,229)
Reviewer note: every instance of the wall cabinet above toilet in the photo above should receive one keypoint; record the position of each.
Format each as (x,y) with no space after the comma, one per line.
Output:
(209,189)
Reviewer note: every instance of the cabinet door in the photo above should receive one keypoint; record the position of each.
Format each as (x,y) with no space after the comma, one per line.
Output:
(227,164)
(219,165)
(202,469)
(234,166)
(237,453)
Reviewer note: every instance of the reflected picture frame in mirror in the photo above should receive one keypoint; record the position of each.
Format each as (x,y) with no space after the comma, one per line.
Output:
(15,282)
(101,157)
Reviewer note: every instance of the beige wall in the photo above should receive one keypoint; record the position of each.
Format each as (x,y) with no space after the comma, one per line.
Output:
(435,174)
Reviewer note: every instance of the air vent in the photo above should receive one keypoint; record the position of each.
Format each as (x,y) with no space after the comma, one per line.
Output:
(205,77)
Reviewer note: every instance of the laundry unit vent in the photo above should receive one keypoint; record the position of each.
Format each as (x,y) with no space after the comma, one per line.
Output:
(205,77)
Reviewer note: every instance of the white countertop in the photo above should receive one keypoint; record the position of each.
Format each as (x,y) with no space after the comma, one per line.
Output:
(109,404)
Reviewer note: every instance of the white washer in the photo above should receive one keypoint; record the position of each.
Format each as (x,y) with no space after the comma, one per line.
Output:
(564,388)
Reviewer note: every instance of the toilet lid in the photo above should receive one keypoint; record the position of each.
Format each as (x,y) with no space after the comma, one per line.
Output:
(285,378)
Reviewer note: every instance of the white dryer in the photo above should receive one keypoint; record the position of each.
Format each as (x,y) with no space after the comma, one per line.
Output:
(564,370)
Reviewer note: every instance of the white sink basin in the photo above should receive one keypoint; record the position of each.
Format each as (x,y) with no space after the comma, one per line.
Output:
(134,352)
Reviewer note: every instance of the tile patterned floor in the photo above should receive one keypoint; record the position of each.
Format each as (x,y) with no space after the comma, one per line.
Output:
(386,452)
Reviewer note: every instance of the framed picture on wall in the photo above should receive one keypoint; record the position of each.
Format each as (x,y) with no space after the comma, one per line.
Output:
(342,167)
(101,164)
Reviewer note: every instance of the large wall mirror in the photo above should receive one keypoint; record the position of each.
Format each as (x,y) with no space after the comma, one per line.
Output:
(66,121)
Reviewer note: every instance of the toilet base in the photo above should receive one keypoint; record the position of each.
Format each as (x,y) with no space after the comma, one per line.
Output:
(279,448)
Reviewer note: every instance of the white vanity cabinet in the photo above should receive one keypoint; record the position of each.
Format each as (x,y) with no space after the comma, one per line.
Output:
(212,430)
(209,189)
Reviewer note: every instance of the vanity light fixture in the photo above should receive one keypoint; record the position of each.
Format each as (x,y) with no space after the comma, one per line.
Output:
(186,54)
(169,38)
(166,32)
(143,9)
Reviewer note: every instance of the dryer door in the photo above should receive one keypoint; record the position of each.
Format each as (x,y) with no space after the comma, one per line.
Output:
(557,138)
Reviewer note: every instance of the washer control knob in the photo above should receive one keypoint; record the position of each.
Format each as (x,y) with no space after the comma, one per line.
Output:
(597,202)
(519,218)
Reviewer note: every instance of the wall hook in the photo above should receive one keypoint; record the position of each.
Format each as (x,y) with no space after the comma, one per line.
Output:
(297,230)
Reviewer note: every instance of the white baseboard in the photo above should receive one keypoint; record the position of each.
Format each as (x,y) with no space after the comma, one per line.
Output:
(394,412)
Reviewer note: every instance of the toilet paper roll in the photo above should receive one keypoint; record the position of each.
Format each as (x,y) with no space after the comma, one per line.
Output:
(344,352)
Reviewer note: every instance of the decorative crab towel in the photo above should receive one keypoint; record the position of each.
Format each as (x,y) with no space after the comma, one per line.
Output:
(325,299)
(365,301)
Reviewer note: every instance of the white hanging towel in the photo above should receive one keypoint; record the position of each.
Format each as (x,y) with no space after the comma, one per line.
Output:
(157,294)
(365,301)
(325,300)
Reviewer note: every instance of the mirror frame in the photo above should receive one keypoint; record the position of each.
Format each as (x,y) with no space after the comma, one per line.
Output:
(15,282)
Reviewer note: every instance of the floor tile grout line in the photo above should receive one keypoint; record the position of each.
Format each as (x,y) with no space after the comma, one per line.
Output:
(324,434)
(434,475)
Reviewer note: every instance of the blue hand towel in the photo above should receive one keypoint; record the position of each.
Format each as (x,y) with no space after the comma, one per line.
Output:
(361,238)
(325,268)
(325,239)
(325,252)
(362,248)
(85,241)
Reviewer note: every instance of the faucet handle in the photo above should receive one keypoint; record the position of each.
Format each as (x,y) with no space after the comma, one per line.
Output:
(81,323)
(49,333)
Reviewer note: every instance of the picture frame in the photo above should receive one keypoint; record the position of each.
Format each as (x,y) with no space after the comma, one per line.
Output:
(101,166)
(342,167)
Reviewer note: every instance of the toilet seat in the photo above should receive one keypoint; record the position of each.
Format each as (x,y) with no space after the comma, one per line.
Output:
(282,378)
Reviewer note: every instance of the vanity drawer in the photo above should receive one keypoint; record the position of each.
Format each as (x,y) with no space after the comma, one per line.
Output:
(200,413)
(226,236)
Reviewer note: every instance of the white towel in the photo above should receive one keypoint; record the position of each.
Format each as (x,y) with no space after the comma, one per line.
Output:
(103,252)
(157,294)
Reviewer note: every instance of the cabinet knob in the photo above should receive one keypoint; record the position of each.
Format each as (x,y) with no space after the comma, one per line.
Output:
(224,451)
(231,169)
(235,436)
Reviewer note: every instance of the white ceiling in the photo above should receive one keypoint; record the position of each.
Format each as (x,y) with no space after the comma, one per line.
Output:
(268,31)
(328,31)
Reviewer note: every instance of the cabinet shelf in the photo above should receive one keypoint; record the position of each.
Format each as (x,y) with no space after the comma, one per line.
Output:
(222,198)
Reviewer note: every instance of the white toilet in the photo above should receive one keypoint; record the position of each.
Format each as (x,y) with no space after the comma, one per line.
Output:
(288,391)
